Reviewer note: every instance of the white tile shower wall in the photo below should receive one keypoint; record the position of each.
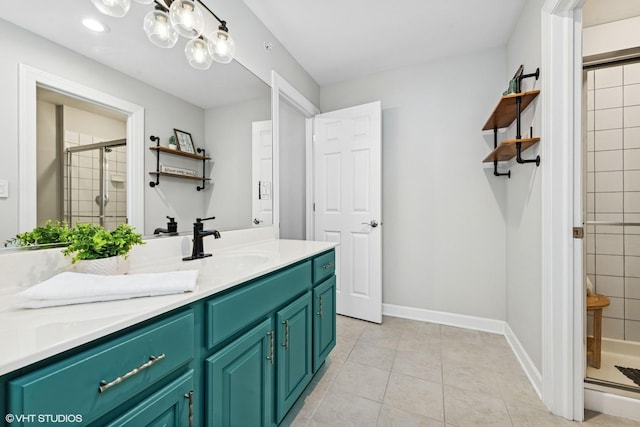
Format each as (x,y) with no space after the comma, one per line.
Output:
(613,194)
(86,184)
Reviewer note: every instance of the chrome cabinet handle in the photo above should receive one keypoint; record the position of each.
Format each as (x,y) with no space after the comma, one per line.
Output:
(372,224)
(190,397)
(270,356)
(320,305)
(286,335)
(104,385)
(328,265)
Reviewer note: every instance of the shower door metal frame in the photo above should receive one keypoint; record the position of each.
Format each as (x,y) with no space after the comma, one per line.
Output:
(104,184)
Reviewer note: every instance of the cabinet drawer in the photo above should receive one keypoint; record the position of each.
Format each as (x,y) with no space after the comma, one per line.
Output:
(239,308)
(95,381)
(324,266)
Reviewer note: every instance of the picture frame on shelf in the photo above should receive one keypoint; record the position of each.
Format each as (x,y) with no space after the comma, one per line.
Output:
(185,141)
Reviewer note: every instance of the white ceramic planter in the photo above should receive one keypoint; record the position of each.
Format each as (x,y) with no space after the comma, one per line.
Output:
(105,266)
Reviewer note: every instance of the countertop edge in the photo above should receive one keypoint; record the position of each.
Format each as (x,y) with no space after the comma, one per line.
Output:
(175,301)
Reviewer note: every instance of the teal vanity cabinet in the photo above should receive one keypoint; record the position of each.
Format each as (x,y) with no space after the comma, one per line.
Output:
(95,382)
(324,307)
(239,380)
(254,377)
(241,357)
(294,355)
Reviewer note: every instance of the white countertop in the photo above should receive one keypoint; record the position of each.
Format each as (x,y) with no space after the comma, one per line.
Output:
(31,335)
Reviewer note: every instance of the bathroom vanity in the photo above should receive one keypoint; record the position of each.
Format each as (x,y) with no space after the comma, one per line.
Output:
(238,351)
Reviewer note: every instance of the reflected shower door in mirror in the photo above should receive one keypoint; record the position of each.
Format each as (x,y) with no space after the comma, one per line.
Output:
(217,107)
(82,161)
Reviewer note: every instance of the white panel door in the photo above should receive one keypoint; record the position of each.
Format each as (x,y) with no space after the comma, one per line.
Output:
(262,173)
(348,204)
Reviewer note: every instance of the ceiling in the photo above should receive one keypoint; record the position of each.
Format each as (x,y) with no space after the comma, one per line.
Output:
(126,48)
(337,40)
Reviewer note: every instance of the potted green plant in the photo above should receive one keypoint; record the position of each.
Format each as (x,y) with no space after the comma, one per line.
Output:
(99,251)
(51,234)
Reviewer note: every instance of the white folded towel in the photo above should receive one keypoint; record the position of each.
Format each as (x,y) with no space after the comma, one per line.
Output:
(77,288)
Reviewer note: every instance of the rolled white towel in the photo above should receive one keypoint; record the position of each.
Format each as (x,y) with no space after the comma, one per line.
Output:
(590,290)
(78,288)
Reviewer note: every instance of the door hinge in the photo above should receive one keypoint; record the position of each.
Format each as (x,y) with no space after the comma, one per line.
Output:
(313,137)
(578,232)
(314,206)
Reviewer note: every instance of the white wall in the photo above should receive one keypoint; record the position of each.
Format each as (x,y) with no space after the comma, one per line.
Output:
(443,210)
(48,199)
(229,136)
(524,202)
(611,37)
(250,34)
(292,173)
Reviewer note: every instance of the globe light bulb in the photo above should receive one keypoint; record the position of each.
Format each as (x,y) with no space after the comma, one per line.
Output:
(159,30)
(187,18)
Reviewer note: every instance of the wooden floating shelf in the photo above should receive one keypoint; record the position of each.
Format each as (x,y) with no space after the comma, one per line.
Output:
(179,153)
(507,149)
(506,112)
(175,175)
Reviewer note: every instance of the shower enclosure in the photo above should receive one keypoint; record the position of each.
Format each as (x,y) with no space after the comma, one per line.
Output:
(613,219)
(95,189)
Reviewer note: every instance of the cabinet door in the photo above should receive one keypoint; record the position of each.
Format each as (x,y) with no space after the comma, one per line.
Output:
(239,380)
(172,406)
(324,321)
(294,353)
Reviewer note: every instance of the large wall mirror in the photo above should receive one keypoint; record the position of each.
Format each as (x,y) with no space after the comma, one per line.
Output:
(226,109)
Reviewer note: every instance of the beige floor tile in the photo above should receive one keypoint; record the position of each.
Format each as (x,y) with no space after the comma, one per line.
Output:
(484,383)
(328,371)
(305,406)
(350,328)
(373,355)
(361,380)
(343,348)
(382,335)
(344,410)
(469,408)
(533,416)
(471,378)
(414,395)
(421,364)
(392,417)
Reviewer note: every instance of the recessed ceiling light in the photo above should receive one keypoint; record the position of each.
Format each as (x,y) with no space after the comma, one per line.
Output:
(95,25)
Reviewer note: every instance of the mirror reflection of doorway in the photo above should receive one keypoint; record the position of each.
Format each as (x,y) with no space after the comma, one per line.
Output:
(81,161)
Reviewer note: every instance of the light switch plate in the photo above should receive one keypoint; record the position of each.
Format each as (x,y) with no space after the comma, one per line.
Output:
(4,188)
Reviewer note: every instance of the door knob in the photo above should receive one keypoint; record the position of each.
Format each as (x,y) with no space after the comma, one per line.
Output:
(257,221)
(372,224)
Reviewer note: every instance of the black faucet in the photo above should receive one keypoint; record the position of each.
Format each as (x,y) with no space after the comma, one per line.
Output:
(198,235)
(172,227)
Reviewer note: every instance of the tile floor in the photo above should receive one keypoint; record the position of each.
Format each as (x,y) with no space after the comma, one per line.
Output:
(410,373)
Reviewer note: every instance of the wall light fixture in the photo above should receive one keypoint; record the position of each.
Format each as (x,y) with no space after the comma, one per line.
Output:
(173,18)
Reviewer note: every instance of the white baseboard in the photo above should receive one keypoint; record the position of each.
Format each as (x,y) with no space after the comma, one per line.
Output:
(534,375)
(612,404)
(442,318)
(474,323)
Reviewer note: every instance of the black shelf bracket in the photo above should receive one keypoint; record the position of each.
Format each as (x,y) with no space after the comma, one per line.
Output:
(519,158)
(156,139)
(495,162)
(204,164)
